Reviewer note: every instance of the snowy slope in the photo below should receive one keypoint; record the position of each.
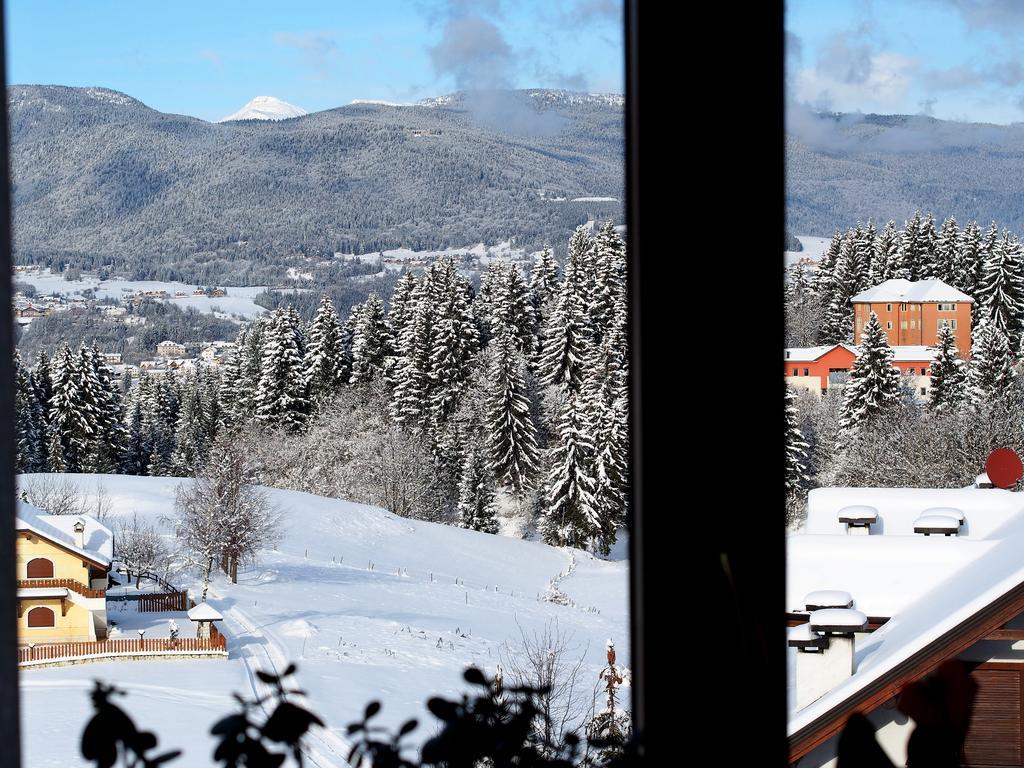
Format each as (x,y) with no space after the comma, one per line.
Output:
(265,108)
(399,631)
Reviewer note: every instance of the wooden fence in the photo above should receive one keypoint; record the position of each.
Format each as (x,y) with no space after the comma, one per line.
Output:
(163,601)
(68,583)
(158,645)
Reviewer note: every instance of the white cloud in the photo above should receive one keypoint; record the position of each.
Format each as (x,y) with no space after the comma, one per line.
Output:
(883,86)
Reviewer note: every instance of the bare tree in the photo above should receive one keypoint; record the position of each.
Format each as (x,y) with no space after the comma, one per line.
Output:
(54,495)
(548,660)
(223,514)
(140,548)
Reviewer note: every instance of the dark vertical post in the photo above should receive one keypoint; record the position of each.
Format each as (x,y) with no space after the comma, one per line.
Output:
(9,731)
(638,607)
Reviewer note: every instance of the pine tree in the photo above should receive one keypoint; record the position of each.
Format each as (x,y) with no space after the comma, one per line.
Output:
(192,438)
(107,427)
(371,340)
(281,399)
(606,395)
(796,448)
(947,252)
(610,296)
(567,330)
(874,383)
(886,262)
(948,374)
(543,279)
(837,323)
(27,428)
(569,514)
(1002,289)
(990,373)
(476,505)
(969,262)
(70,422)
(912,260)
(513,455)
(327,364)
(928,239)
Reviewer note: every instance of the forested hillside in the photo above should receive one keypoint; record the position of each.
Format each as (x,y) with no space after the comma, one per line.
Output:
(102,179)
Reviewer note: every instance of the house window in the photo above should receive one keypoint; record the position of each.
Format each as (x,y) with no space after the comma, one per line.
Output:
(946,323)
(796,372)
(913,324)
(807,372)
(888,307)
(787,354)
(903,325)
(923,391)
(912,371)
(41,617)
(903,307)
(860,324)
(40,568)
(888,325)
(947,307)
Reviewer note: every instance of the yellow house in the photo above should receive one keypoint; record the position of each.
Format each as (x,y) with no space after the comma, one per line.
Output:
(62,566)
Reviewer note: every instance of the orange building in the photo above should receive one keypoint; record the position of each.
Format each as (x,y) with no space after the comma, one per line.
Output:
(815,369)
(911,313)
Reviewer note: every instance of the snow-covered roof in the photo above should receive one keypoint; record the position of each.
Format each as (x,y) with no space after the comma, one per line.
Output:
(43,592)
(912,354)
(919,291)
(927,585)
(810,354)
(827,598)
(98,540)
(204,612)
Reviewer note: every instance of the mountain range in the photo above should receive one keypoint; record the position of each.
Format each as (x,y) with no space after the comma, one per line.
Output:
(99,178)
(265,108)
(845,168)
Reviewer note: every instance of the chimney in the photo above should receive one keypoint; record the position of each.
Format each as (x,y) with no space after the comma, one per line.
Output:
(944,521)
(80,533)
(858,519)
(982,481)
(825,646)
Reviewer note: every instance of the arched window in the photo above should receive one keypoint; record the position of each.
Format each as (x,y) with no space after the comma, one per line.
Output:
(40,568)
(40,617)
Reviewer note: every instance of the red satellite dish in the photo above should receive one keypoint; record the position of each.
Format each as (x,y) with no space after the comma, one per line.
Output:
(1004,468)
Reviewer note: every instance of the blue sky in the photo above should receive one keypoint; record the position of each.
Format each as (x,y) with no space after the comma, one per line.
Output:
(209,58)
(953,59)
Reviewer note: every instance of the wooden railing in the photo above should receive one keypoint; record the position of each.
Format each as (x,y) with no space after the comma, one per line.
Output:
(163,601)
(69,583)
(160,645)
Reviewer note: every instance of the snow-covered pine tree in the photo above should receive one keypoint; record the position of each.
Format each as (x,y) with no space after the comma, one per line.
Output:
(327,363)
(371,340)
(1002,289)
(454,342)
(874,383)
(410,374)
(862,248)
(513,455)
(912,261)
(887,258)
(826,266)
(929,240)
(569,513)
(191,433)
(837,321)
(947,252)
(281,399)
(567,330)
(108,430)
(27,429)
(990,372)
(543,279)
(401,307)
(70,421)
(606,394)
(796,448)
(948,373)
(969,263)
(42,382)
(476,505)
(610,297)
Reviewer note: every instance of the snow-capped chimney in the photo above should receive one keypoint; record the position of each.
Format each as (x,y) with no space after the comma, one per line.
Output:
(80,533)
(858,519)
(983,481)
(825,647)
(943,521)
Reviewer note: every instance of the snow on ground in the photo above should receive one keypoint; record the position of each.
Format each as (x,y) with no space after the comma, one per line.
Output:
(239,299)
(504,251)
(814,248)
(368,606)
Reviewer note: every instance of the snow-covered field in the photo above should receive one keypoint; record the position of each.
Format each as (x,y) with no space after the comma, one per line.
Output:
(814,248)
(239,300)
(366,604)
(503,251)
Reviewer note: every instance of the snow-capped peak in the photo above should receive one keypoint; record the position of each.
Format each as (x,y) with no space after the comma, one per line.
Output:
(265,108)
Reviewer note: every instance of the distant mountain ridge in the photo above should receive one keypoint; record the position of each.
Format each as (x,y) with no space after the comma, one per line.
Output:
(100,178)
(843,168)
